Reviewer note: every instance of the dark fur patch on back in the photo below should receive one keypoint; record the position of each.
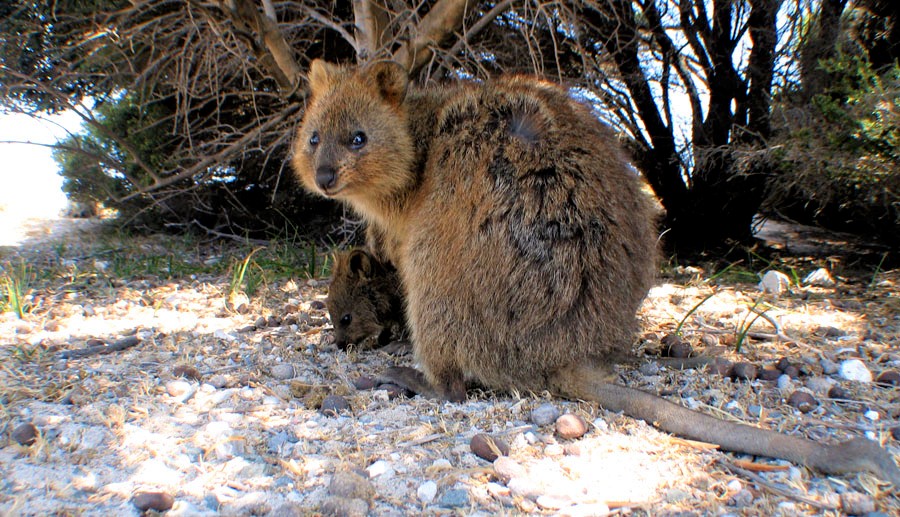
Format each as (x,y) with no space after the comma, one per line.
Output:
(455,117)
(526,124)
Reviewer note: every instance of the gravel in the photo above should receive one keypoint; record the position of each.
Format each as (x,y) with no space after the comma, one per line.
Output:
(267,421)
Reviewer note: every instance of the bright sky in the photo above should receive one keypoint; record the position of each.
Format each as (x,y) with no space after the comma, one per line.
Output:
(30,185)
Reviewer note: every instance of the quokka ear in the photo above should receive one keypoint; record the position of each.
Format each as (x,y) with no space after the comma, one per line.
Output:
(391,80)
(321,76)
(362,264)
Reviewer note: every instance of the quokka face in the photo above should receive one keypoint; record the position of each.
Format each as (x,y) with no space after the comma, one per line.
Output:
(353,143)
(364,301)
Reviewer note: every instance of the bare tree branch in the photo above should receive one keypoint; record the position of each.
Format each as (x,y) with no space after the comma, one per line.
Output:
(371,28)
(444,18)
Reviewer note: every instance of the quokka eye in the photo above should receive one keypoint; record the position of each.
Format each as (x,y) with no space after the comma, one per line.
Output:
(314,139)
(358,140)
(346,319)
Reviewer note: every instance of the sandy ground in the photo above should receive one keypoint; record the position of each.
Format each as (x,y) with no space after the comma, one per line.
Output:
(220,407)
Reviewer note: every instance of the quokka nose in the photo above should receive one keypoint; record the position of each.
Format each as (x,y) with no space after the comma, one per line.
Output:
(326,177)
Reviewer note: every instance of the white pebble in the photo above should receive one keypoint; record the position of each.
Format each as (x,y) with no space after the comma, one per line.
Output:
(854,370)
(441,464)
(427,491)
(819,278)
(282,371)
(553,502)
(378,468)
(774,282)
(872,415)
(735,486)
(554,449)
(785,383)
(180,390)
(820,385)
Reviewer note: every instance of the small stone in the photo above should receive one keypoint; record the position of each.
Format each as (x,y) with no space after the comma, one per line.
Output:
(260,322)
(545,414)
(854,370)
(186,371)
(785,383)
(334,404)
(25,434)
(744,371)
(895,433)
(454,498)
(351,485)
(774,282)
(379,468)
(872,415)
(888,378)
(282,371)
(783,364)
(803,401)
(741,499)
(792,371)
(553,502)
(317,305)
(554,449)
(821,385)
(856,503)
(218,381)
(837,392)
(363,383)
(647,370)
(828,367)
(288,510)
(507,468)
(819,278)
(156,501)
(343,507)
(439,465)
(570,426)
(487,447)
(769,374)
(426,492)
(179,389)
(525,488)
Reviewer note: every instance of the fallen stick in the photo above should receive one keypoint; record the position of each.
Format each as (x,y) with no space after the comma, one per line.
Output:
(775,489)
(118,346)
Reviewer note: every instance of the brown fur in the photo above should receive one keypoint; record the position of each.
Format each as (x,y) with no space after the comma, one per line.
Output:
(364,301)
(521,236)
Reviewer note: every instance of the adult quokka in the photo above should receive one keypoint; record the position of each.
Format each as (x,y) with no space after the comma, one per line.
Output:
(522,238)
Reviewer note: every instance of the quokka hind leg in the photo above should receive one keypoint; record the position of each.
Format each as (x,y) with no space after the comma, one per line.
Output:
(585,382)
